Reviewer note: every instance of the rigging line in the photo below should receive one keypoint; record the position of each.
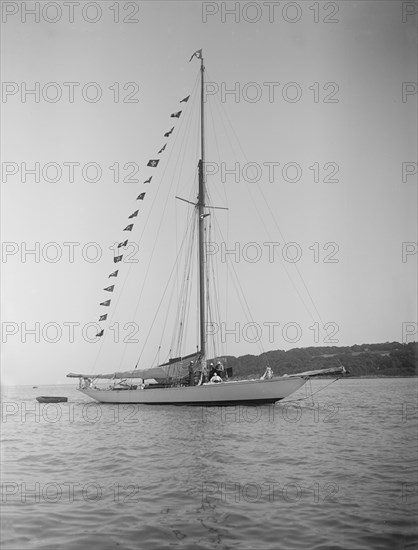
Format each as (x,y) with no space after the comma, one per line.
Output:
(227,280)
(254,202)
(215,139)
(112,314)
(214,346)
(119,295)
(197,300)
(171,297)
(212,118)
(187,298)
(115,299)
(192,195)
(184,281)
(296,267)
(185,148)
(156,357)
(247,312)
(169,304)
(144,228)
(212,264)
(278,228)
(207,289)
(217,305)
(167,316)
(192,267)
(159,227)
(184,302)
(262,221)
(191,116)
(215,314)
(174,142)
(192,227)
(155,316)
(187,132)
(314,393)
(116,302)
(180,314)
(187,273)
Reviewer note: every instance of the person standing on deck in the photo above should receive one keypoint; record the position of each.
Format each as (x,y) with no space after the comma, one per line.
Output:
(212,370)
(220,369)
(191,374)
(205,376)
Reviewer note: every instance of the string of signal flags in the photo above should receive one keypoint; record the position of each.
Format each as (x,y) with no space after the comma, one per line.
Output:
(152,163)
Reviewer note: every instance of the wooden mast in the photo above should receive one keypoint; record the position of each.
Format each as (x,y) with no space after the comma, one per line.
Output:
(201,212)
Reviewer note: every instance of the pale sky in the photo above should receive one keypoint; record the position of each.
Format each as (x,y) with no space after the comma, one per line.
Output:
(341,103)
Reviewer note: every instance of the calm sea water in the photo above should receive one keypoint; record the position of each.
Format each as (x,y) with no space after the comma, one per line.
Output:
(341,473)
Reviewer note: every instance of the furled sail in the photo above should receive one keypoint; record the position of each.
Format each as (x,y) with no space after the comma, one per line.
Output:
(175,369)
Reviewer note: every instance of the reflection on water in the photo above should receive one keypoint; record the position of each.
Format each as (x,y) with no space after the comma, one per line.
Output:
(336,473)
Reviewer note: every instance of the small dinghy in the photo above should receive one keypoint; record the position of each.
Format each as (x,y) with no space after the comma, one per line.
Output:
(49,399)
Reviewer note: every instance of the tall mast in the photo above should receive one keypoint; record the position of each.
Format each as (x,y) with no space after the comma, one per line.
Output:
(201,211)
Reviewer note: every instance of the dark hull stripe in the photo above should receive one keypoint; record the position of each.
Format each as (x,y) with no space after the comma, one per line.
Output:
(206,403)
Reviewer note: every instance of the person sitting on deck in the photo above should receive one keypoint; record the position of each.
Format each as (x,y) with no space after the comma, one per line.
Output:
(215,379)
(87,383)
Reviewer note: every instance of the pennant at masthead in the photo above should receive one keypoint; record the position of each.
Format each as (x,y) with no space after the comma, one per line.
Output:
(198,55)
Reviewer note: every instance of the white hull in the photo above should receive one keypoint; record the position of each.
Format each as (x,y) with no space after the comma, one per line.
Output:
(245,391)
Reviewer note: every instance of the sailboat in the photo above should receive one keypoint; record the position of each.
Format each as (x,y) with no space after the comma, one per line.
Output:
(186,380)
